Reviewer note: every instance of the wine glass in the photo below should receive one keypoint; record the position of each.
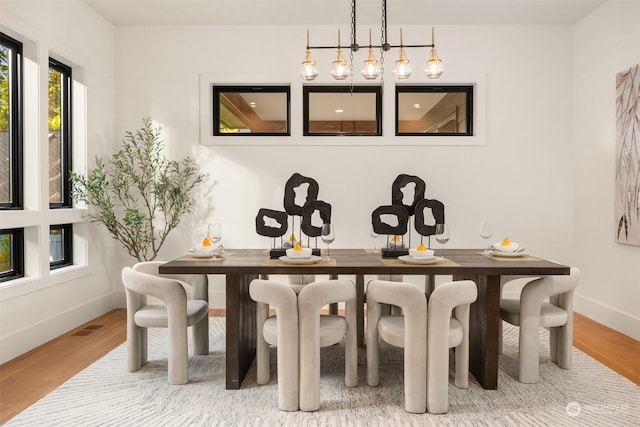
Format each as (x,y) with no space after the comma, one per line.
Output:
(328,236)
(375,236)
(442,235)
(486,231)
(214,231)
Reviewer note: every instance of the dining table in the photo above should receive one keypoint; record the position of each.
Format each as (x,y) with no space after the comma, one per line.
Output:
(241,266)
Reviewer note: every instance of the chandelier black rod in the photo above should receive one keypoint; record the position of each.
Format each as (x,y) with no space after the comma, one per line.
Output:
(384,47)
(354,47)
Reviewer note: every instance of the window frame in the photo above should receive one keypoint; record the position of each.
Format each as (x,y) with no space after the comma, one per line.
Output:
(372,89)
(66,161)
(17,254)
(217,89)
(467,89)
(16,183)
(66,231)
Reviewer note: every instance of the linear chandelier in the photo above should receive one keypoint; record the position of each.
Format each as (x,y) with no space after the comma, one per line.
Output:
(372,68)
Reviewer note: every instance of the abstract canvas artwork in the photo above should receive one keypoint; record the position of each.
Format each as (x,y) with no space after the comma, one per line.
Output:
(627,179)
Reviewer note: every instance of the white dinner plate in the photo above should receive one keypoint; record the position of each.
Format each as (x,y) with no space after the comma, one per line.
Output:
(312,259)
(507,254)
(201,254)
(407,259)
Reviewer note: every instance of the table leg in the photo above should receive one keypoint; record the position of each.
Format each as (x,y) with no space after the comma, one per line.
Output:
(429,284)
(484,321)
(200,289)
(333,308)
(360,308)
(241,328)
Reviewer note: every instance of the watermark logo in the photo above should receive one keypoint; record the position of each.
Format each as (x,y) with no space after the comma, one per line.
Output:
(573,409)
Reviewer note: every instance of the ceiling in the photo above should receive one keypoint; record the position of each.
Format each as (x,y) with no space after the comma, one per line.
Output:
(337,12)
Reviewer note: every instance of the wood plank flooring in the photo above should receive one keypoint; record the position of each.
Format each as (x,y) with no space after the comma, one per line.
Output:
(29,377)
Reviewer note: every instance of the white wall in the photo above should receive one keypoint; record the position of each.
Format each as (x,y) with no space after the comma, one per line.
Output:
(521,179)
(606,42)
(45,304)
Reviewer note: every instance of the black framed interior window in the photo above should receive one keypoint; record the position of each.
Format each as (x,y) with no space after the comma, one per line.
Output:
(431,110)
(342,110)
(59,134)
(60,246)
(11,120)
(251,110)
(11,254)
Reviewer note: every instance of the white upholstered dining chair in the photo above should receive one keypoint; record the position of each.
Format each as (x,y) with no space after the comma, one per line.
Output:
(426,331)
(531,311)
(298,330)
(174,311)
(448,327)
(407,331)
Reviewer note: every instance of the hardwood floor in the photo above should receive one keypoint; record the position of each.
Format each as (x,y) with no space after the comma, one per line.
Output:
(29,377)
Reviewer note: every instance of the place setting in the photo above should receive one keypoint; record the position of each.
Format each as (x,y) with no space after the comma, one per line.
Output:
(207,243)
(505,249)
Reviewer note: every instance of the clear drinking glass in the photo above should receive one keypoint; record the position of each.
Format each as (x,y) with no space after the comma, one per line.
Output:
(214,231)
(442,235)
(375,236)
(328,236)
(486,231)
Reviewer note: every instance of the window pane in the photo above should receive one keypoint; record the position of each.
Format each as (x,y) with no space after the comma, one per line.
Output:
(56,248)
(55,152)
(342,110)
(6,241)
(434,110)
(11,254)
(59,120)
(5,109)
(251,110)
(60,245)
(10,123)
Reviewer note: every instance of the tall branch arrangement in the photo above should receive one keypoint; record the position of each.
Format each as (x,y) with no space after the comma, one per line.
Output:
(137,194)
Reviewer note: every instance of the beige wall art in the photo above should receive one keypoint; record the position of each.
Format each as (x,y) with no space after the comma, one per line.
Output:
(627,207)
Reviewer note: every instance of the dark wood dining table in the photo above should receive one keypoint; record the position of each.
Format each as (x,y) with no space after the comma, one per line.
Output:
(241,266)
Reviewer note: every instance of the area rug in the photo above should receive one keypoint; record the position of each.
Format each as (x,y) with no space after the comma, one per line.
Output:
(106,394)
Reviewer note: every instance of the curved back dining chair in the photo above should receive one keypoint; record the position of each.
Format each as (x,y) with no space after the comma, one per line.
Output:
(407,331)
(197,288)
(175,313)
(299,330)
(448,327)
(531,312)
(281,331)
(321,330)
(389,308)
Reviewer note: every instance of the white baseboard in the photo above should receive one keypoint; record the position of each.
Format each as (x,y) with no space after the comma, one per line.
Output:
(32,336)
(608,316)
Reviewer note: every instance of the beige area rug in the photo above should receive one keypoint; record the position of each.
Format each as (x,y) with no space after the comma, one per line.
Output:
(105,394)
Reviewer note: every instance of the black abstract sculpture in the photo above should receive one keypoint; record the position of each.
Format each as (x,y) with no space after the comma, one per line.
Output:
(266,230)
(437,210)
(403,214)
(397,197)
(305,212)
(294,182)
(309,208)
